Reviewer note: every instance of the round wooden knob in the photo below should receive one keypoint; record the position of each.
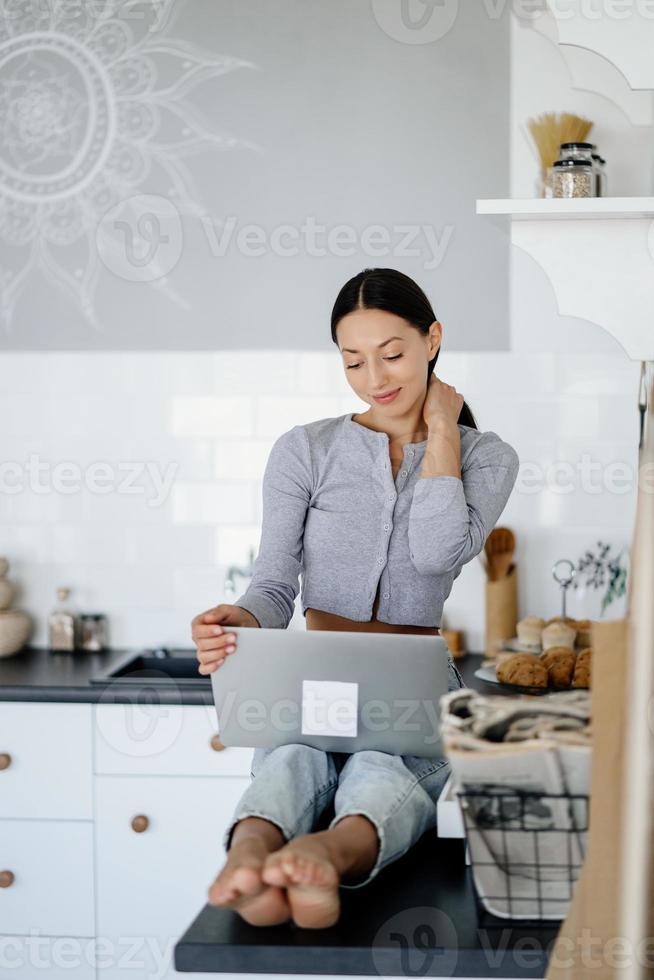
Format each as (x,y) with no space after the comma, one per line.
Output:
(216,744)
(140,823)
(6,879)
(5,760)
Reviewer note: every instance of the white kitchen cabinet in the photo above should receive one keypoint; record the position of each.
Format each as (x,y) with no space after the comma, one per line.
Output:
(87,893)
(45,760)
(152,880)
(47,869)
(164,739)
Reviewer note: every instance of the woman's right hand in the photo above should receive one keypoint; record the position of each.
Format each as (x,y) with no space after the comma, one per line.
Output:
(210,632)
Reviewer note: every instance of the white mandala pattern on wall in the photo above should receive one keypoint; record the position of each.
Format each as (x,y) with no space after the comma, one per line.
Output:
(95,108)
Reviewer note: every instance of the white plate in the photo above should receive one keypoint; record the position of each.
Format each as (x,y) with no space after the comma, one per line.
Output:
(516,647)
(488,675)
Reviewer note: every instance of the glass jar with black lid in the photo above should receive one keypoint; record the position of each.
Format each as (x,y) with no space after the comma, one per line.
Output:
(576,151)
(573,178)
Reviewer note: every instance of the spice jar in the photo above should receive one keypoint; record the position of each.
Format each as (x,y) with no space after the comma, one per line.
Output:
(93,632)
(62,625)
(576,151)
(573,178)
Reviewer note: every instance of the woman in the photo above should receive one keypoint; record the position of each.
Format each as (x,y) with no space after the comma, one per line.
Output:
(378,552)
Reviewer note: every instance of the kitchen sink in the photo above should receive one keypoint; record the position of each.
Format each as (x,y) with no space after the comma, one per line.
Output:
(159,666)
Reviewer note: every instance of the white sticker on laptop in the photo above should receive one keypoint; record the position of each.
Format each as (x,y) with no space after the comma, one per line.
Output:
(330,708)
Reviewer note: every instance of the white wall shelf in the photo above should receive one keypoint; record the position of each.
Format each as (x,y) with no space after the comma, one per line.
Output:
(528,208)
(601,270)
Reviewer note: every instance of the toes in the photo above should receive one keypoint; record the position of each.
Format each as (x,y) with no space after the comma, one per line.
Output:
(233,882)
(273,873)
(247,880)
(271,908)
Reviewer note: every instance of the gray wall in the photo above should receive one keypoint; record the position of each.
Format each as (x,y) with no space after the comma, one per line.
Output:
(335,115)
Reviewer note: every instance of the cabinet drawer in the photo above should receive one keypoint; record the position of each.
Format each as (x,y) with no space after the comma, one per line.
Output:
(153,873)
(51,862)
(45,760)
(54,957)
(164,739)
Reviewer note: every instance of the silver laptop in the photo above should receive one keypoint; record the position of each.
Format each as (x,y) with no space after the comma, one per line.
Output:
(337,691)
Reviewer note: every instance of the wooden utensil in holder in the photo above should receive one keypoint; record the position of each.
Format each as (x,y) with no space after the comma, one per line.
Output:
(501,589)
(499,549)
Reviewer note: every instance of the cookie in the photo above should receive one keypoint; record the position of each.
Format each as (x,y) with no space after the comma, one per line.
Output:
(581,675)
(524,669)
(560,664)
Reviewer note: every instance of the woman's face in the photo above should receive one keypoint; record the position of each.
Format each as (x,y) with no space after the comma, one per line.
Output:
(372,369)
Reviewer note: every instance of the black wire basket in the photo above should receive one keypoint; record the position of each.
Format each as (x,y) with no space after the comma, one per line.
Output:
(526,852)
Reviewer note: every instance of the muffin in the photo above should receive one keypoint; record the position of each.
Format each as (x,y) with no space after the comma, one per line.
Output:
(581,675)
(583,627)
(523,669)
(558,635)
(529,630)
(560,619)
(560,664)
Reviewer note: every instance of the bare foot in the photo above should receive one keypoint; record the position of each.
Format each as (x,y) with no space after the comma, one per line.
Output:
(306,867)
(239,885)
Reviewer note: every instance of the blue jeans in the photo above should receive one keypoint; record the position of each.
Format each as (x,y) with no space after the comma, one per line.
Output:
(293,784)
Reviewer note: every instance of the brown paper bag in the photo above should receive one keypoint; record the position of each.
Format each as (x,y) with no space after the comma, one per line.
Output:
(608,931)
(501,610)
(582,950)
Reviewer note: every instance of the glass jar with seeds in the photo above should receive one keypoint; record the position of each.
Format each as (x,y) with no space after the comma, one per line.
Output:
(573,178)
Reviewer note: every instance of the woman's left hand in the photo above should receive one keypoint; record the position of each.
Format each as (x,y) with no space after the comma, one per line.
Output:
(442,401)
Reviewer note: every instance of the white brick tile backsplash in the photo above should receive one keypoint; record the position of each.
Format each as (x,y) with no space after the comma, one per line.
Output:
(232,544)
(197,588)
(26,543)
(90,544)
(597,375)
(227,416)
(213,503)
(212,418)
(320,374)
(176,544)
(276,415)
(241,460)
(260,372)
(521,375)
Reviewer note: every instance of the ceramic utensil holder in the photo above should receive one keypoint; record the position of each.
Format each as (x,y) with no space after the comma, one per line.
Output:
(501,610)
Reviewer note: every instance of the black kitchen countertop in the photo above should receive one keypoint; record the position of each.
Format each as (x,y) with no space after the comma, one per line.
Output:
(36,674)
(417,917)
